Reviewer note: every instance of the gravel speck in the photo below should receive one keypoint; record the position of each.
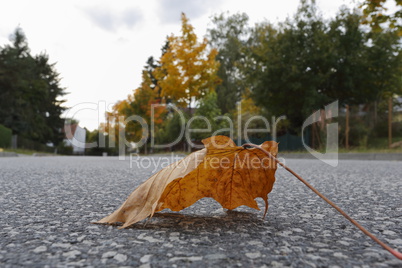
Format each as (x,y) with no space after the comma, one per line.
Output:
(216,256)
(120,257)
(395,241)
(71,254)
(40,249)
(193,258)
(339,255)
(109,254)
(253,255)
(145,258)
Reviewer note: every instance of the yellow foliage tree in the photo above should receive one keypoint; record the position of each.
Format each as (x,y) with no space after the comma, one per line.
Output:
(188,70)
(139,104)
(375,14)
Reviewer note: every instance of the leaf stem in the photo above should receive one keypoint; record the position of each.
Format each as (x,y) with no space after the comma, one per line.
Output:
(378,241)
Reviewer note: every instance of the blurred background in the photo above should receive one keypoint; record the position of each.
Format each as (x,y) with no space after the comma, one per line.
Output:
(221,65)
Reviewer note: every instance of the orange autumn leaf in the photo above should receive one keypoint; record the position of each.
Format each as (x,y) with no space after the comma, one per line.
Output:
(232,175)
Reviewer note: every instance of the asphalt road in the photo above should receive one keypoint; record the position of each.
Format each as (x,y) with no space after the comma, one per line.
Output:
(47,204)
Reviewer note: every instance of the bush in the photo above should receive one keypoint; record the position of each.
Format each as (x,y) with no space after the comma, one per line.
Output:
(5,137)
(28,144)
(64,149)
(358,132)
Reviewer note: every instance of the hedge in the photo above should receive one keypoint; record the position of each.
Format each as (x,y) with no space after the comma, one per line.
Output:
(5,137)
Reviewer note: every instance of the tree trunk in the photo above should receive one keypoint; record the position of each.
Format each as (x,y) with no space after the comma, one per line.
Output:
(347,128)
(312,136)
(390,122)
(189,106)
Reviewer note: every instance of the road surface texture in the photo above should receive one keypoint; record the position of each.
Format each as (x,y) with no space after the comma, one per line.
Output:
(47,204)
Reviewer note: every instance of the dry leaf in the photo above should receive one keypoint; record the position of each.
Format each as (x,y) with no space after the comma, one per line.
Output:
(142,201)
(230,174)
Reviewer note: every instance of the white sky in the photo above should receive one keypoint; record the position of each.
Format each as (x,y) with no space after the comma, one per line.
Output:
(100,47)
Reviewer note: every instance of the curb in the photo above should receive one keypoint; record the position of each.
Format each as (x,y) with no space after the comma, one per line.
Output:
(8,154)
(350,156)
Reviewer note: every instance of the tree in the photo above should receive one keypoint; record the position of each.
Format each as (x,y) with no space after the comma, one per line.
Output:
(150,71)
(308,62)
(144,99)
(15,63)
(51,105)
(349,79)
(385,64)
(385,57)
(188,69)
(375,15)
(289,66)
(251,117)
(140,105)
(229,36)
(30,92)
(207,117)
(171,129)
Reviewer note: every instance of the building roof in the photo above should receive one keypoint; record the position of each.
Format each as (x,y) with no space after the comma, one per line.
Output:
(69,130)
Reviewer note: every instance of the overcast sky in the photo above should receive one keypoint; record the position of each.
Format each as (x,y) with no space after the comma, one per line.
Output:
(100,47)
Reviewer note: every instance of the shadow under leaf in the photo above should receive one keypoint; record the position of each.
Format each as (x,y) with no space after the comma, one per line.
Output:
(191,222)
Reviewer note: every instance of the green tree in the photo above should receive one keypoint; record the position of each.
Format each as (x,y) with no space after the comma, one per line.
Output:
(289,65)
(366,66)
(29,92)
(385,63)
(110,147)
(172,127)
(51,106)
(208,117)
(229,36)
(349,80)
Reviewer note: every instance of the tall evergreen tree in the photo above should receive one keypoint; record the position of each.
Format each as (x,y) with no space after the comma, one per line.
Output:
(29,92)
(151,69)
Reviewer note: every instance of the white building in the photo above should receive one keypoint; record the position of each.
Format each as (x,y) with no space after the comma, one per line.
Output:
(75,137)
